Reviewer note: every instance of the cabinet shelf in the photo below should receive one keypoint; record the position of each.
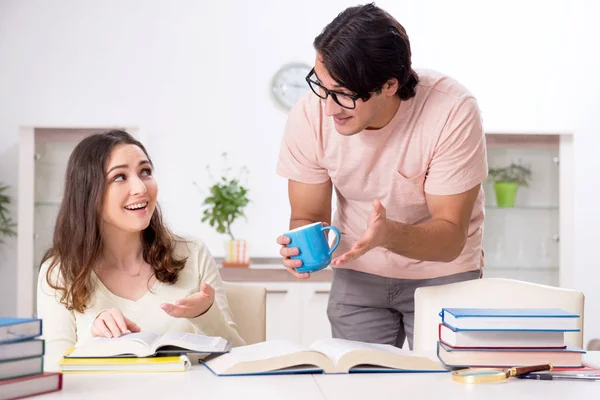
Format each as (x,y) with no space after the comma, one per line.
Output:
(547,208)
(47,203)
(521,269)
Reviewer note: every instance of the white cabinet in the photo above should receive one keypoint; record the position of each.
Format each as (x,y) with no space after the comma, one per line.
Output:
(313,306)
(296,311)
(532,240)
(283,302)
(43,157)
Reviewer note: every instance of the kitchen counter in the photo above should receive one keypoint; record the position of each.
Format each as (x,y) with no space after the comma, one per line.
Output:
(270,273)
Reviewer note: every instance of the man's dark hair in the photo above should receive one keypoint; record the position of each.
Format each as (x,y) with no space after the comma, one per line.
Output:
(363,48)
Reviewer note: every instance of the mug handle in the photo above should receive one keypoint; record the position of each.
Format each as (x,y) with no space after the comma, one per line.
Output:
(337,237)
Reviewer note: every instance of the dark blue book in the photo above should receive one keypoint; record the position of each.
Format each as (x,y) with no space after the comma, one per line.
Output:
(17,329)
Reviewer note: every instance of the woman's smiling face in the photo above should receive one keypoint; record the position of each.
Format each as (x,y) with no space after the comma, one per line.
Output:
(130,191)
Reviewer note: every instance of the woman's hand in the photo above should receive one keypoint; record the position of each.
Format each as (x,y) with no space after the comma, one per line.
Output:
(193,306)
(112,323)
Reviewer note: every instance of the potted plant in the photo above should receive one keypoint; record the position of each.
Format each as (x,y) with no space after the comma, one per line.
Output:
(7,226)
(507,181)
(225,204)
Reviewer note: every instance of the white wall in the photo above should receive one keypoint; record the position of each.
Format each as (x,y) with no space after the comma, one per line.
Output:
(194,76)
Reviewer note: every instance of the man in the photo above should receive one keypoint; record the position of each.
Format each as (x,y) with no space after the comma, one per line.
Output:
(406,155)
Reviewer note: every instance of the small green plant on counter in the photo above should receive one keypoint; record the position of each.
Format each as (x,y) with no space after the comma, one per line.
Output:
(226,202)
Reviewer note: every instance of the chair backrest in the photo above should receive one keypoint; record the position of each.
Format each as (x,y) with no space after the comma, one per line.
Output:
(248,305)
(492,293)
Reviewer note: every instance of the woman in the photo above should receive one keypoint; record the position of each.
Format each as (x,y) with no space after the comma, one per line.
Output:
(114,266)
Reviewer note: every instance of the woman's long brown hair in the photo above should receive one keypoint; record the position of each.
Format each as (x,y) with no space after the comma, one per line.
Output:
(77,242)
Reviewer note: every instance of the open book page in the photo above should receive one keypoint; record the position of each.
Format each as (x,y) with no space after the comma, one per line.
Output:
(139,344)
(348,354)
(267,356)
(178,341)
(335,349)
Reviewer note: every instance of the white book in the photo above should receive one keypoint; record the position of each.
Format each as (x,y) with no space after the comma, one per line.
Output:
(146,344)
(501,339)
(31,385)
(24,349)
(326,356)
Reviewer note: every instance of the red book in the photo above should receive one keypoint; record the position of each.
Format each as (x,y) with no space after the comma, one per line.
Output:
(31,385)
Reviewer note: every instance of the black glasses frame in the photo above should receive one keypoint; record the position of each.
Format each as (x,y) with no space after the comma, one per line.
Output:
(334,95)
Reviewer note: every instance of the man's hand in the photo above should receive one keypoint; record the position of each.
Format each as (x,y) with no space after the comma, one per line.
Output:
(377,234)
(192,306)
(286,253)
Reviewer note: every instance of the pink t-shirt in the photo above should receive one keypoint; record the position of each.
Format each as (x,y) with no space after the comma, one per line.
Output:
(434,144)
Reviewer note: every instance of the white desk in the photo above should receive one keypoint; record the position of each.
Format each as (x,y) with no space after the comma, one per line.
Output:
(197,383)
(200,383)
(441,386)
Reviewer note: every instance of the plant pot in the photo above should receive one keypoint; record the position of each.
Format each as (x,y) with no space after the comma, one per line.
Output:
(237,253)
(506,193)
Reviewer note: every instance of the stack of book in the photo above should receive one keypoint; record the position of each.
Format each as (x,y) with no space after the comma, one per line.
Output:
(494,337)
(22,360)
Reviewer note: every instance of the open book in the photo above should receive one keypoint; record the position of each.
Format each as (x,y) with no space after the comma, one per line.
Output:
(146,344)
(324,356)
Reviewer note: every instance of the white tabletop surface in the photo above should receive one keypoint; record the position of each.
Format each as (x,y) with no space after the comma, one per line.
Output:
(197,383)
(441,386)
(200,383)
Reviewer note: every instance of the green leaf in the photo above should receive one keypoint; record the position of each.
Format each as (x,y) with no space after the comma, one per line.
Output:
(517,173)
(7,226)
(228,198)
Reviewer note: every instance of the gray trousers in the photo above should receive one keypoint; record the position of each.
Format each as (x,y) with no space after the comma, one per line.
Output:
(371,308)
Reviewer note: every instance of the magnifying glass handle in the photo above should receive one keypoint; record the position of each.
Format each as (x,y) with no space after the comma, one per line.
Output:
(525,370)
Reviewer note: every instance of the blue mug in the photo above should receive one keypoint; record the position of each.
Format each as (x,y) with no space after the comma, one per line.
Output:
(314,251)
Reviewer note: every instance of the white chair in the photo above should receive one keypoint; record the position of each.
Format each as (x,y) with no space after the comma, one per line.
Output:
(493,293)
(593,345)
(248,305)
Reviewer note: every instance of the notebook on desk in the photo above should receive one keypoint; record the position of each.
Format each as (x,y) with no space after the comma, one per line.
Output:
(330,356)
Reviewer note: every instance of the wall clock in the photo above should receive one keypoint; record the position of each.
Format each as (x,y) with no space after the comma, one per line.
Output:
(289,83)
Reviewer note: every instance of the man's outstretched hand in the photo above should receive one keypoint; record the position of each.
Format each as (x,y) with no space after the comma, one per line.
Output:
(377,234)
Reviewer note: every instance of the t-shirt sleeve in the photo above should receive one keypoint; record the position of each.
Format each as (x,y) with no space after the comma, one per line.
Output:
(459,161)
(59,327)
(298,155)
(217,320)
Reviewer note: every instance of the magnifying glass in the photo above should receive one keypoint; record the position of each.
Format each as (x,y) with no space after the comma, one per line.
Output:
(483,375)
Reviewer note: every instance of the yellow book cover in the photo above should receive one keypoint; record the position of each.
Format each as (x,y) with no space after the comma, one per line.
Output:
(125,364)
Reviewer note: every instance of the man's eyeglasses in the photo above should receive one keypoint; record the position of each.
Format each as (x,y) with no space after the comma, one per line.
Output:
(345,100)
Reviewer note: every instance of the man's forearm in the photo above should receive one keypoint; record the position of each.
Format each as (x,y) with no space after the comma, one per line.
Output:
(436,240)
(298,222)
